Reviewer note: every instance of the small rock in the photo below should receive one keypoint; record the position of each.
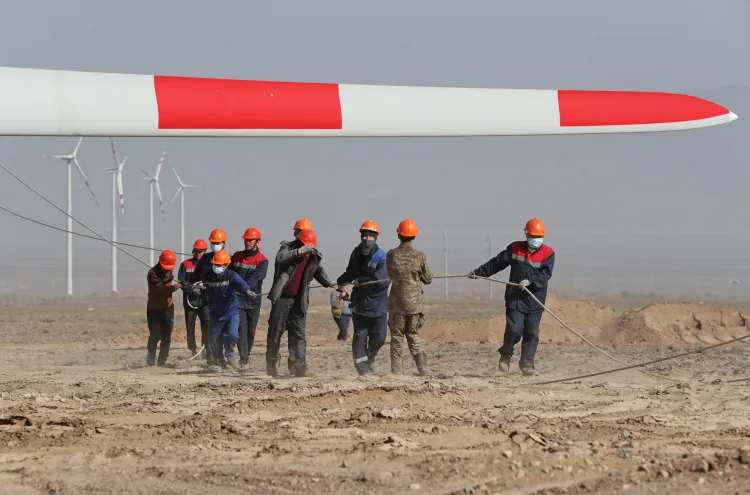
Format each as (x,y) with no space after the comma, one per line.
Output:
(385,477)
(415,486)
(744,456)
(699,466)
(545,470)
(520,474)
(341,400)
(643,468)
(701,480)
(12,443)
(508,454)
(99,429)
(664,474)
(536,463)
(344,464)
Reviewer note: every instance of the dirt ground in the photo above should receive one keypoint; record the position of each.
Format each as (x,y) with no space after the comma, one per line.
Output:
(81,413)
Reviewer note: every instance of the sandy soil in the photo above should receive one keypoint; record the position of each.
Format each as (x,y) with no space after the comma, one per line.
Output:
(81,413)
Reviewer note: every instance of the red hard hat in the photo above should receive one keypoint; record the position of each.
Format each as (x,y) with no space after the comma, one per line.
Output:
(168,260)
(303,223)
(370,226)
(407,228)
(200,244)
(221,258)
(307,236)
(251,234)
(534,227)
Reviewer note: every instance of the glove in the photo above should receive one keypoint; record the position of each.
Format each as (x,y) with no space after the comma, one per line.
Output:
(472,275)
(524,284)
(356,282)
(250,294)
(305,249)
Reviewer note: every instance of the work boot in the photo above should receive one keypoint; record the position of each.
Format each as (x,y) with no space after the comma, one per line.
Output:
(421,361)
(371,364)
(504,364)
(245,365)
(528,370)
(231,361)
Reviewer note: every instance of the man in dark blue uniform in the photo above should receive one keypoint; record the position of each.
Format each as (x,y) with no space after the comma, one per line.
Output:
(531,263)
(369,303)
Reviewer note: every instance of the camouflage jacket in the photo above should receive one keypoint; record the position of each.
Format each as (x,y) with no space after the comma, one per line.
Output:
(408,270)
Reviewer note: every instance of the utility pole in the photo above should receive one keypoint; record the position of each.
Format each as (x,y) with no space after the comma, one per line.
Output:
(445,248)
(490,251)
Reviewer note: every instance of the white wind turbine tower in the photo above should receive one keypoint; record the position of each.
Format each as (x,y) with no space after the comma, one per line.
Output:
(181,192)
(116,190)
(153,180)
(71,159)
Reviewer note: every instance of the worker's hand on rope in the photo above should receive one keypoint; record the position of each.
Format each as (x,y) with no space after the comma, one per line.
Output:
(523,284)
(305,249)
(251,294)
(472,275)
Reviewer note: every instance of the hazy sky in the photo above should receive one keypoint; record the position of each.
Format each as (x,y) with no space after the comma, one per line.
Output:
(611,203)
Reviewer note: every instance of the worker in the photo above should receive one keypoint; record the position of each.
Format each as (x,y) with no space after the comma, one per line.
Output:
(191,304)
(341,312)
(252,266)
(221,289)
(297,263)
(531,263)
(369,302)
(407,269)
(197,280)
(160,307)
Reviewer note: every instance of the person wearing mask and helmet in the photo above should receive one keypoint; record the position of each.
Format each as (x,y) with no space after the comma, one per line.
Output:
(531,263)
(297,264)
(222,287)
(369,303)
(191,304)
(408,271)
(160,307)
(251,265)
(197,280)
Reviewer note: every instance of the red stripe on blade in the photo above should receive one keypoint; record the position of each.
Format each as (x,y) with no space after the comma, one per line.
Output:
(200,103)
(595,108)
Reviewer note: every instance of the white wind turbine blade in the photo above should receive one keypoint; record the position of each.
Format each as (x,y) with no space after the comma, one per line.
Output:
(119,184)
(78,145)
(161,203)
(176,194)
(158,167)
(83,176)
(178,178)
(114,153)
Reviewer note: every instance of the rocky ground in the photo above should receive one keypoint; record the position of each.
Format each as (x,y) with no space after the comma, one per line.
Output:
(80,412)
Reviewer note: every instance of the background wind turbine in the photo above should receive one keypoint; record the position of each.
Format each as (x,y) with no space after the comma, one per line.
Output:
(116,190)
(70,159)
(153,180)
(181,192)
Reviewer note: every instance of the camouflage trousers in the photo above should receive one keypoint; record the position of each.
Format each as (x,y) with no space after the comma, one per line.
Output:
(404,326)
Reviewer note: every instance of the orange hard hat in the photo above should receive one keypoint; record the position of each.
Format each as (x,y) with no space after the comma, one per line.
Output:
(370,226)
(200,244)
(303,223)
(307,236)
(534,228)
(217,236)
(251,234)
(168,260)
(407,228)
(221,258)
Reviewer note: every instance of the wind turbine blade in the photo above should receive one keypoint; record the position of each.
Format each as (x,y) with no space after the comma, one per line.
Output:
(77,146)
(158,167)
(189,185)
(119,191)
(148,176)
(114,153)
(178,178)
(176,194)
(161,203)
(83,176)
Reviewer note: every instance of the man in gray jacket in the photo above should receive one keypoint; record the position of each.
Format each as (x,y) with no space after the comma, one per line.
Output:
(297,264)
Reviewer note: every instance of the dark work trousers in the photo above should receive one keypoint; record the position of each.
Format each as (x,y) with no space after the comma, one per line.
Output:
(368,336)
(160,325)
(343,323)
(191,315)
(521,325)
(248,324)
(287,314)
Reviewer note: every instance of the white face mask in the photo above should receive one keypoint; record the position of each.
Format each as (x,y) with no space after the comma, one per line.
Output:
(216,247)
(218,270)
(535,242)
